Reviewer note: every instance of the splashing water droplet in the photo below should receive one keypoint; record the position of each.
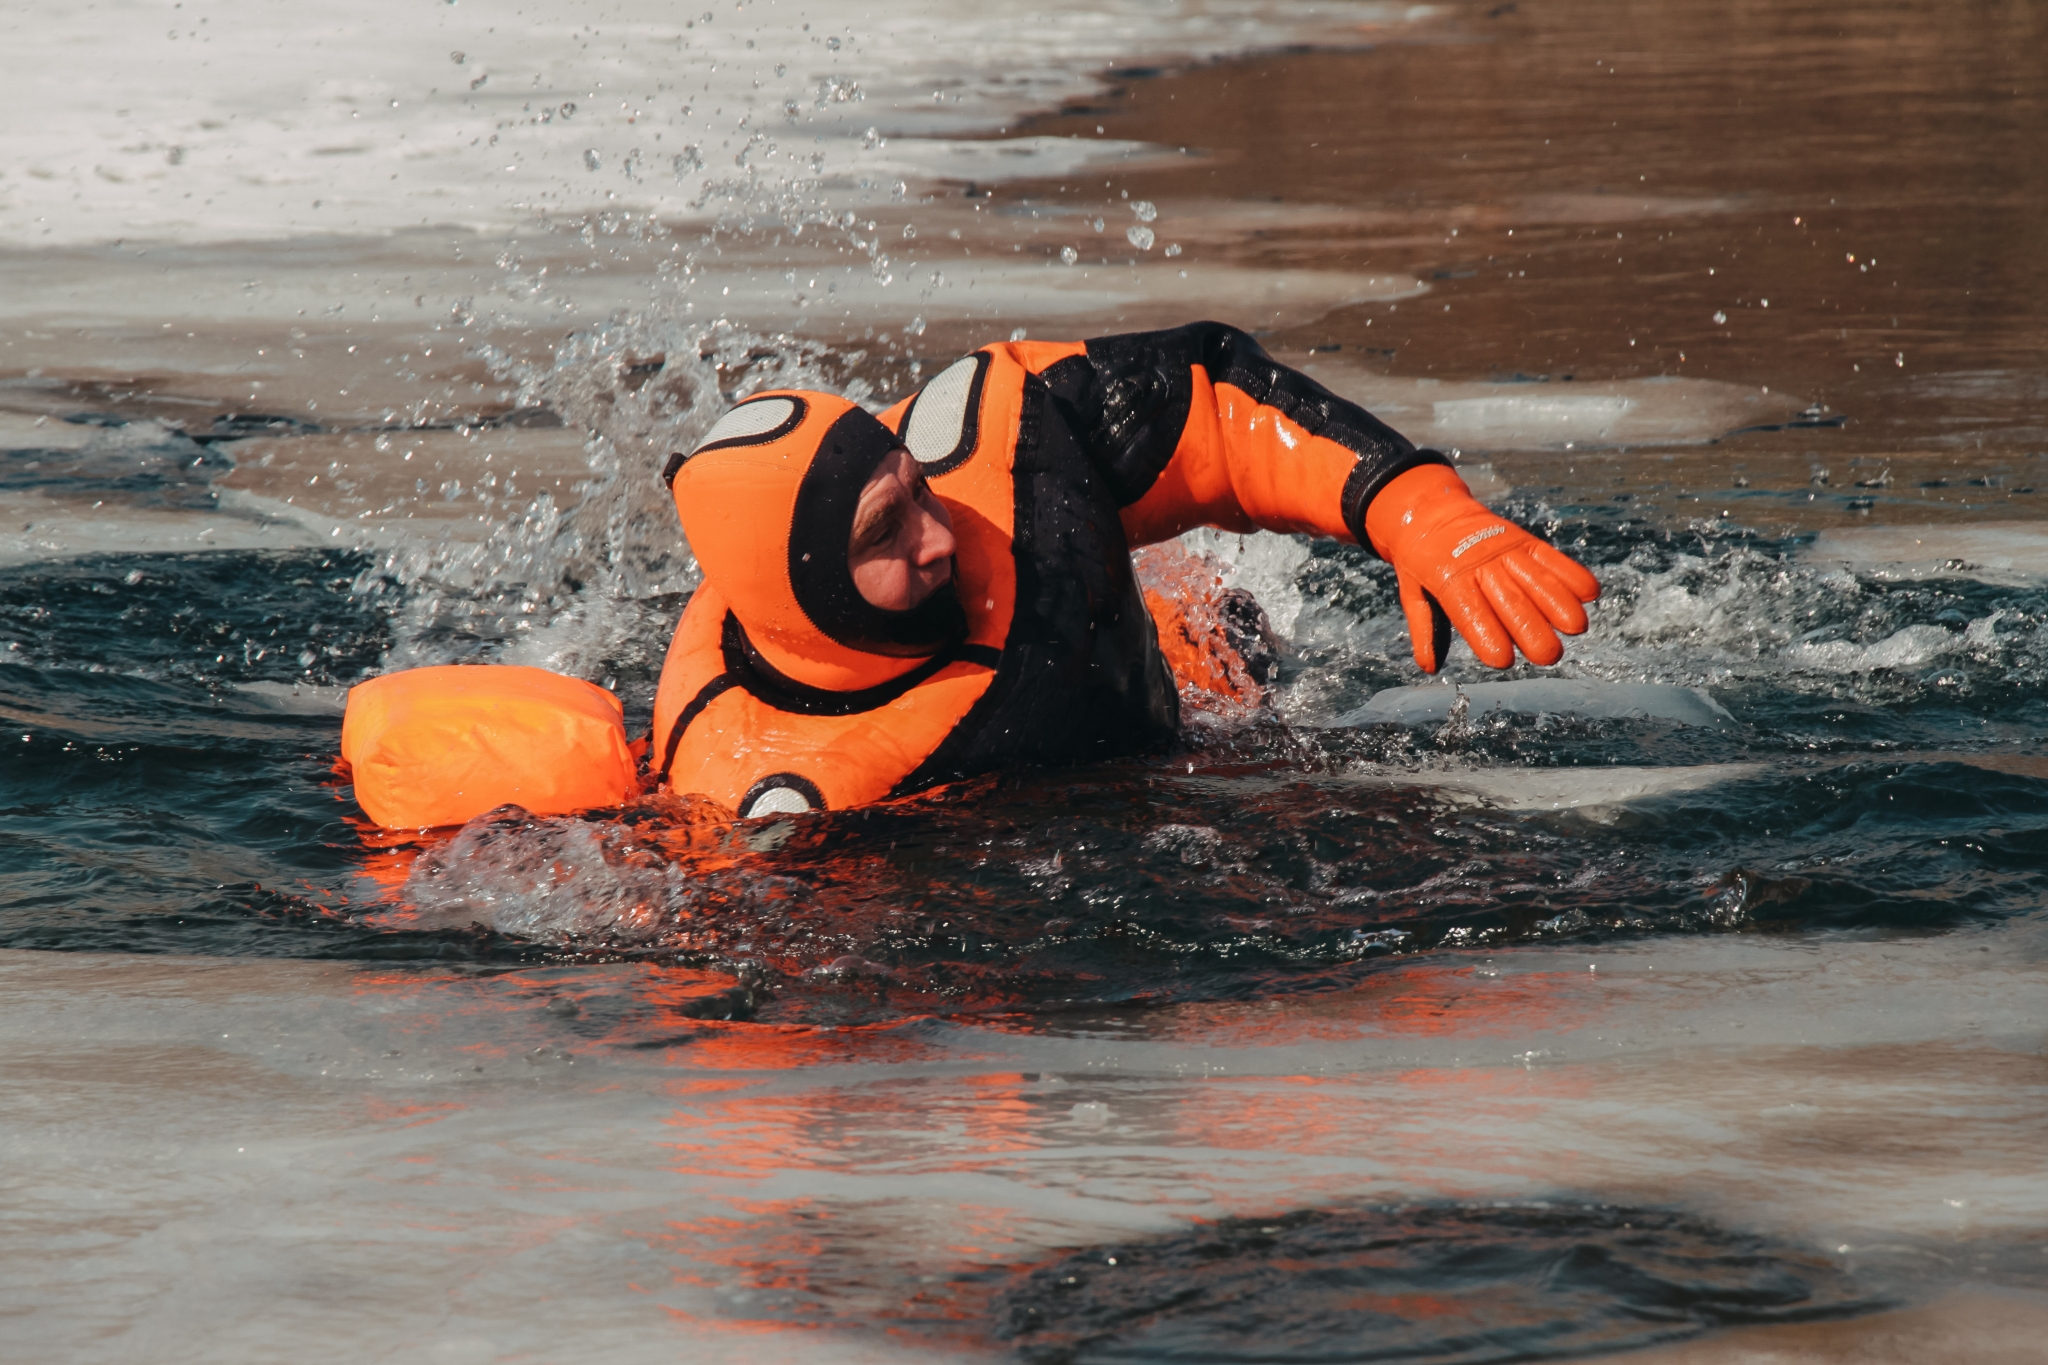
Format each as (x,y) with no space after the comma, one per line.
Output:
(916,327)
(1139,237)
(1145,209)
(1069,255)
(1173,248)
(1719,316)
(1017,334)
(591,158)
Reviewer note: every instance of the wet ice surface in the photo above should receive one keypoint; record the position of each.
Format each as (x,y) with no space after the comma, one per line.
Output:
(2012,553)
(509,1163)
(1537,697)
(1672,1030)
(1585,1016)
(286,125)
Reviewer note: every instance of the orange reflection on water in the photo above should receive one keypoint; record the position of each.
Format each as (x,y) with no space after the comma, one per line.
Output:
(803,1265)
(1456,1130)
(393,1114)
(786,1047)
(753,1132)
(1426,1000)
(735,1326)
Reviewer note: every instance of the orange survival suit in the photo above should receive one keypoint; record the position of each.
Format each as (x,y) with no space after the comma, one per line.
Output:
(785,690)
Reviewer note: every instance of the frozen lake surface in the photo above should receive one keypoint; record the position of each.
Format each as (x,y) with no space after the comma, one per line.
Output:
(1685,1001)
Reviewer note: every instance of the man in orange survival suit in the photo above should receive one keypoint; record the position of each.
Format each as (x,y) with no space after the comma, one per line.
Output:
(893,603)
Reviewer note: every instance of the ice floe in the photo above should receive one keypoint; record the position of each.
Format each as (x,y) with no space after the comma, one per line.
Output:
(1597,794)
(38,528)
(249,120)
(2013,553)
(1555,415)
(1540,696)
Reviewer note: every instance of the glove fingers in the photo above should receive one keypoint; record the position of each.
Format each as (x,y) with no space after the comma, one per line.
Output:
(1429,630)
(1568,571)
(1475,619)
(1524,622)
(1440,634)
(1551,597)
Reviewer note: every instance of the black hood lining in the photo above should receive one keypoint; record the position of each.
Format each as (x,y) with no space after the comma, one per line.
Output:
(821,527)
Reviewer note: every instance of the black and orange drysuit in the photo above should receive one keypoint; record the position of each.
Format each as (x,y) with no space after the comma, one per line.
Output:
(785,690)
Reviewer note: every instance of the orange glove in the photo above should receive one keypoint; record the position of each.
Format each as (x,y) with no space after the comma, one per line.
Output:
(1460,564)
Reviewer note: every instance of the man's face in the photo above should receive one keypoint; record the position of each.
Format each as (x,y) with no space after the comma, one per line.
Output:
(901,550)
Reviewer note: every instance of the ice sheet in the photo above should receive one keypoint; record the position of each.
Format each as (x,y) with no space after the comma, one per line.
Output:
(1535,696)
(235,119)
(232,1160)
(1598,794)
(1555,415)
(2014,553)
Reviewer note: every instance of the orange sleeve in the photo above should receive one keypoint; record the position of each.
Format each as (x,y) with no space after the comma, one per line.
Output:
(1243,465)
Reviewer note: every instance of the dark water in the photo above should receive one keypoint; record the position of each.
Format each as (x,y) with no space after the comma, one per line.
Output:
(170,783)
(157,802)
(1427,1283)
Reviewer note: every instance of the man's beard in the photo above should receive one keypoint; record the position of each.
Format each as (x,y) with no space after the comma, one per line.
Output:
(932,626)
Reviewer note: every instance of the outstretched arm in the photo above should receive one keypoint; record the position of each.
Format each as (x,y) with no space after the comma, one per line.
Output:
(1198,426)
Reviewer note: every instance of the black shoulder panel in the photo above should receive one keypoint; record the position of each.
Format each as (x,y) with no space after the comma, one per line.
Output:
(1128,402)
(1080,676)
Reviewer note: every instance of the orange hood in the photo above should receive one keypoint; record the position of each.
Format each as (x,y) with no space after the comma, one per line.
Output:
(768,503)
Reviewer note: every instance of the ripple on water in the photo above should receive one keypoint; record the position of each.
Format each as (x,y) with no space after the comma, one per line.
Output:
(1445,1283)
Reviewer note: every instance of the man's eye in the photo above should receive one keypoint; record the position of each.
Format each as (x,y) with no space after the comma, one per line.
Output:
(882,529)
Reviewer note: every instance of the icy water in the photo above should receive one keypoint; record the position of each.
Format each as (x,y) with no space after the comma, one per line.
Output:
(1691,1006)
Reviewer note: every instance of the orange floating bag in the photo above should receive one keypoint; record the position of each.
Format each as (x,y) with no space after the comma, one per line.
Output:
(436,746)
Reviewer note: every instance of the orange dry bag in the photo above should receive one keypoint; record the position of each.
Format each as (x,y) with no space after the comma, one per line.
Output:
(436,746)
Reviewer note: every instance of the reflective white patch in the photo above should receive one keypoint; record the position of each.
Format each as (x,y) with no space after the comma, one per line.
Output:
(1469,541)
(779,801)
(940,413)
(750,419)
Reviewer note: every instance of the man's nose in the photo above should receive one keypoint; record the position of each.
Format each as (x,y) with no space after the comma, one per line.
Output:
(937,543)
